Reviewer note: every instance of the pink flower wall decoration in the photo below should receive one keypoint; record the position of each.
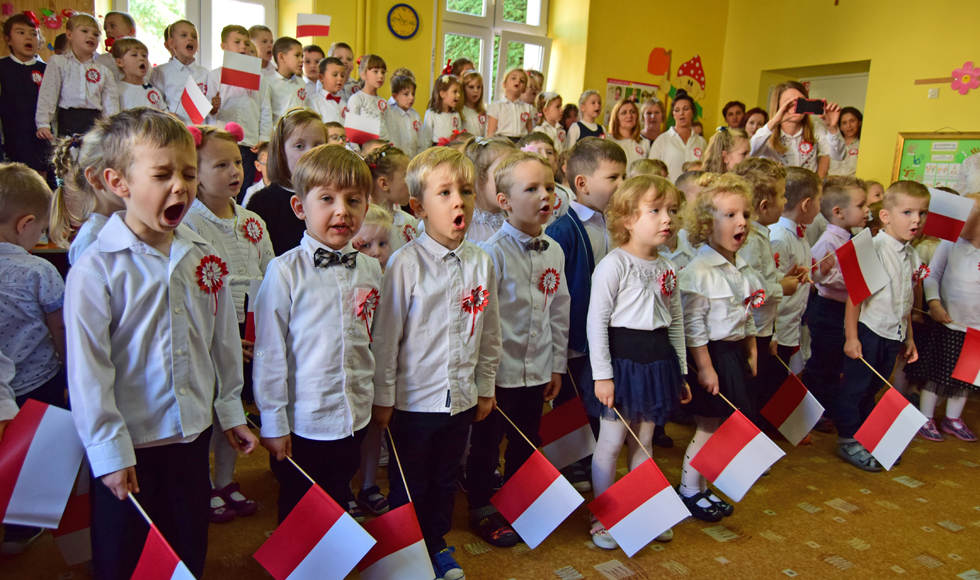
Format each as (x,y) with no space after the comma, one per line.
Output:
(966,78)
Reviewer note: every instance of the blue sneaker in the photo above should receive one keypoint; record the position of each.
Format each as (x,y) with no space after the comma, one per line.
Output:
(445,565)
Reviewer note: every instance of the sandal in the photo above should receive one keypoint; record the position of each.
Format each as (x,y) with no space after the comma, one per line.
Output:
(373,501)
(495,530)
(723,506)
(221,513)
(958,429)
(243,506)
(855,454)
(930,433)
(705,514)
(601,536)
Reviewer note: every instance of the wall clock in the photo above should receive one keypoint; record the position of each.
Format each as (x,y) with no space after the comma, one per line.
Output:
(403,21)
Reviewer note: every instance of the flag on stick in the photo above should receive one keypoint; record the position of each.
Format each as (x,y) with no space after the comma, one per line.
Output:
(241,70)
(735,456)
(312,25)
(195,103)
(890,427)
(862,270)
(566,435)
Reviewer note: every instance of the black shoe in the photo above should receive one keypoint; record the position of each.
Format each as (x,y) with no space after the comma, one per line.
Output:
(661,439)
(705,514)
(723,506)
(498,481)
(495,530)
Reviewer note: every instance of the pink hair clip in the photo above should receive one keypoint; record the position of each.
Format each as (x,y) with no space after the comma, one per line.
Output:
(529,149)
(236,130)
(196,133)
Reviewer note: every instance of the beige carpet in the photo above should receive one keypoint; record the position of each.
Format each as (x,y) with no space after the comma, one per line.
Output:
(813,517)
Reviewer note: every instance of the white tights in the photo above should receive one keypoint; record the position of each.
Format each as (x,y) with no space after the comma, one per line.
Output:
(225,457)
(612,434)
(692,482)
(370,455)
(954,405)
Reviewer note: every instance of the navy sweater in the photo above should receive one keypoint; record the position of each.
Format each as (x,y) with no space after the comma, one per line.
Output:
(570,234)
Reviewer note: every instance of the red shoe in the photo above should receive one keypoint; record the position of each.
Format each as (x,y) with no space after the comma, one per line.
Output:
(806,440)
(243,506)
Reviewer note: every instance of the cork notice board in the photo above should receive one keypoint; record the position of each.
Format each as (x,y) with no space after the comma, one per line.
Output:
(10,7)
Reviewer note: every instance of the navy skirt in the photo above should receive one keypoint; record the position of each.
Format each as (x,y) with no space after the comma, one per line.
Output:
(939,350)
(647,375)
(730,363)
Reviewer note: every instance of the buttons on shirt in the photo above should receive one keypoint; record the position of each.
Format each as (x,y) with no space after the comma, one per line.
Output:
(179,351)
(183,391)
(177,310)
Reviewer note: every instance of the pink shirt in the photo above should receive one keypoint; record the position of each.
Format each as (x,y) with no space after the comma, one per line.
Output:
(832,284)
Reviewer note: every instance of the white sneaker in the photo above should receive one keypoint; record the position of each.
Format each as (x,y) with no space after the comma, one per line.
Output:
(665,537)
(602,538)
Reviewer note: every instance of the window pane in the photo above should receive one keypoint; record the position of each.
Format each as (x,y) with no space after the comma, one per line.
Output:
(492,83)
(474,7)
(458,46)
(523,11)
(515,55)
(152,16)
(225,12)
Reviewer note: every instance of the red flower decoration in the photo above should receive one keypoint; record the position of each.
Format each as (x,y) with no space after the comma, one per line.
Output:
(382,106)
(301,94)
(697,150)
(921,274)
(639,149)
(203,87)
(37,77)
(776,257)
(455,122)
(668,282)
(153,96)
(252,230)
(805,148)
(211,274)
(409,233)
(366,308)
(557,205)
(92,76)
(415,126)
(474,303)
(800,231)
(561,136)
(482,119)
(550,280)
(755,300)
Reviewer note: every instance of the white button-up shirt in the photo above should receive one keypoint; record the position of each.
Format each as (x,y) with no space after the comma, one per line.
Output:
(595,227)
(713,294)
(86,236)
(793,250)
(830,285)
(247,260)
(8,403)
(799,153)
(403,129)
(671,149)
(171,77)
(955,280)
(634,149)
(757,251)
(30,289)
(557,134)
(250,109)
(438,342)
(152,356)
(71,84)
(629,292)
(683,254)
(132,96)
(847,166)
(438,126)
(511,116)
(887,311)
(374,107)
(313,368)
(329,110)
(534,302)
(285,94)
(475,123)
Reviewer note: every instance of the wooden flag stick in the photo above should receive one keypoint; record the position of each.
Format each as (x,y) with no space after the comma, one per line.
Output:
(399,462)
(132,498)
(877,373)
(296,465)
(574,388)
(630,429)
(785,365)
(516,429)
(926,312)
(726,399)
(817,263)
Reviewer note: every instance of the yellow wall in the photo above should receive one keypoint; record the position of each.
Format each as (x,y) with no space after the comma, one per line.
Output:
(621,34)
(904,40)
(568,27)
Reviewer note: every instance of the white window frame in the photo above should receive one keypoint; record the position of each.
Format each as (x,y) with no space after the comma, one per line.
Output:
(481,32)
(506,37)
(540,29)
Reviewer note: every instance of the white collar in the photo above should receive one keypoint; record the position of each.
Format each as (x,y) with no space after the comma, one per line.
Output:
(25,63)
(584,213)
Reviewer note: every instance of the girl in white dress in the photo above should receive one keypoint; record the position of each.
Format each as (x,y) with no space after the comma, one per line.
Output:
(441,121)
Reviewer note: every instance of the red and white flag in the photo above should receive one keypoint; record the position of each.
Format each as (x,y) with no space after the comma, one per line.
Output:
(253,292)
(947,214)
(862,270)
(796,362)
(361,129)
(735,456)
(793,410)
(536,499)
(639,507)
(312,25)
(73,537)
(195,103)
(317,540)
(39,458)
(967,367)
(566,435)
(241,70)
(889,428)
(400,553)
(159,561)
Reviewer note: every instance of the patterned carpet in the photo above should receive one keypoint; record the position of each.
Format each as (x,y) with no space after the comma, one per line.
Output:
(813,517)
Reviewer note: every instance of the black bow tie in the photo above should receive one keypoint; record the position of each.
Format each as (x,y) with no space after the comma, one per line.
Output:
(537,244)
(324,259)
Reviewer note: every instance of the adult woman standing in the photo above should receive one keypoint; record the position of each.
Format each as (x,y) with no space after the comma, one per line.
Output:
(754,119)
(624,129)
(653,113)
(850,126)
(679,144)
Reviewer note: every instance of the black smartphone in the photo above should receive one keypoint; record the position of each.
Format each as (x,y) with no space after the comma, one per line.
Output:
(809,106)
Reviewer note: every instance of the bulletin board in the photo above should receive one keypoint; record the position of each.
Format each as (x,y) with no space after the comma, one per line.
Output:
(18,6)
(933,159)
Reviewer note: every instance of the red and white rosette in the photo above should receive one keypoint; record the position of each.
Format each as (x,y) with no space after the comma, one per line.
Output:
(366,308)
(755,300)
(474,303)
(697,152)
(211,274)
(93,76)
(409,232)
(252,230)
(525,117)
(482,119)
(805,148)
(550,280)
(921,274)
(776,257)
(668,282)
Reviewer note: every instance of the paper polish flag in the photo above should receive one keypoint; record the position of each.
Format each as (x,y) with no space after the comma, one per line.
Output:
(735,456)
(195,103)
(968,366)
(159,561)
(400,553)
(947,215)
(862,270)
(253,291)
(73,537)
(317,540)
(312,25)
(39,458)
(566,435)
(793,410)
(241,70)
(887,431)
(639,507)
(361,129)
(536,499)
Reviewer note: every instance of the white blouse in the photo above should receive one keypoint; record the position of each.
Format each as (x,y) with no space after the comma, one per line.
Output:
(799,153)
(793,250)
(406,228)
(955,280)
(474,123)
(848,165)
(684,253)
(634,149)
(132,96)
(557,134)
(630,292)
(361,103)
(757,251)
(485,225)
(713,294)
(436,126)
(511,116)
(71,84)
(671,149)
